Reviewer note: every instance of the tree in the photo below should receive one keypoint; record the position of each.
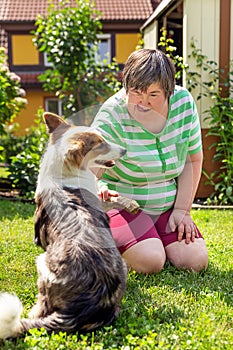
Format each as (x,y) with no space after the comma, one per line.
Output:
(68,35)
(11,95)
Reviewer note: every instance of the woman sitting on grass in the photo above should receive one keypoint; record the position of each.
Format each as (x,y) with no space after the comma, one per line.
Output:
(157,122)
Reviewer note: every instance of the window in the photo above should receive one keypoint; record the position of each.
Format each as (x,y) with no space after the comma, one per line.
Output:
(46,62)
(53,105)
(103,53)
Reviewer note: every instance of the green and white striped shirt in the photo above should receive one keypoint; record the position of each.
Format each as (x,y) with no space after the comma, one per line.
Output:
(148,171)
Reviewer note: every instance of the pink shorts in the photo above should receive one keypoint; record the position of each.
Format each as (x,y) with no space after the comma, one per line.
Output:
(129,229)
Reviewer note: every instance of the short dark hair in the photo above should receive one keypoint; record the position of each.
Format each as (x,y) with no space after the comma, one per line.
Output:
(145,67)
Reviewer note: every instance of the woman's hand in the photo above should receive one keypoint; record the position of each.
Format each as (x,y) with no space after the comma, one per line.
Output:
(182,220)
(104,193)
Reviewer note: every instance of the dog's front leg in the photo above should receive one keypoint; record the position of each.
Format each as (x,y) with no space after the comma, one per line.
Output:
(41,308)
(121,202)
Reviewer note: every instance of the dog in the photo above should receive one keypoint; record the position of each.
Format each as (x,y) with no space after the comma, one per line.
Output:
(81,275)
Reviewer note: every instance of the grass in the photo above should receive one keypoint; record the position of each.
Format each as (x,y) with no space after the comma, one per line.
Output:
(170,310)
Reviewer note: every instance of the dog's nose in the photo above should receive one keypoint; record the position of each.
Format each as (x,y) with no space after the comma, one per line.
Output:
(123,151)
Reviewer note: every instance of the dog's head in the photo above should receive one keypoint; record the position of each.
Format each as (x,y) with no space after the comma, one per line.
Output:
(82,148)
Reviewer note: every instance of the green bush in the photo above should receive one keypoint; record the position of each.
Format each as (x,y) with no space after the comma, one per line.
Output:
(221,125)
(220,117)
(11,94)
(69,37)
(166,44)
(24,166)
(11,145)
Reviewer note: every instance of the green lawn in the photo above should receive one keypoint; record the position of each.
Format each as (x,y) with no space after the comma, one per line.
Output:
(171,310)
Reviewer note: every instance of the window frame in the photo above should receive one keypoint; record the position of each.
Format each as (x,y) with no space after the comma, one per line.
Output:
(46,62)
(108,57)
(59,105)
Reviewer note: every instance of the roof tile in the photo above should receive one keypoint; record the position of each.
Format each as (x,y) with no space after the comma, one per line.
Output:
(29,78)
(27,10)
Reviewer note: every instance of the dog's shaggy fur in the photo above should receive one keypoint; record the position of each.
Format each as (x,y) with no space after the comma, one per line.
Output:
(81,275)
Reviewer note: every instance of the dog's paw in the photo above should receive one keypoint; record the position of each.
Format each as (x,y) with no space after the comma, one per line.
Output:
(121,202)
(35,312)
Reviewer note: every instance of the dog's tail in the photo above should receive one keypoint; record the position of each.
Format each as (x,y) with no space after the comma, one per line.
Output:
(11,324)
(10,312)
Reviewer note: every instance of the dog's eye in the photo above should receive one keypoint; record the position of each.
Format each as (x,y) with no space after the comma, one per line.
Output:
(101,146)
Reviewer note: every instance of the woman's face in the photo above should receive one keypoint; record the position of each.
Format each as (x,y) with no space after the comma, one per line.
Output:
(147,104)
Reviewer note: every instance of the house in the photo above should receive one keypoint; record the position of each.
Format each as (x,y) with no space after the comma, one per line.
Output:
(121,21)
(210,24)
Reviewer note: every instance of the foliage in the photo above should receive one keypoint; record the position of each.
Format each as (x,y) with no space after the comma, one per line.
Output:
(24,166)
(11,143)
(68,35)
(173,310)
(3,172)
(220,116)
(167,45)
(11,95)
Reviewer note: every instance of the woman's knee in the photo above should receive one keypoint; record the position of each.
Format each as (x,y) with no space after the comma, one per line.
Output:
(147,256)
(192,256)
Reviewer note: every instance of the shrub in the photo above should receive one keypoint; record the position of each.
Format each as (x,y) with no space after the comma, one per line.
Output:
(24,166)
(11,95)
(69,36)
(220,117)
(11,145)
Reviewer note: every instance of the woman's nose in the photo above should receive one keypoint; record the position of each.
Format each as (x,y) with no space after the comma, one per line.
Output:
(144,100)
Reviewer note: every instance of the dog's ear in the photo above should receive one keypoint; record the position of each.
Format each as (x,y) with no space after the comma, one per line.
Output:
(79,153)
(53,121)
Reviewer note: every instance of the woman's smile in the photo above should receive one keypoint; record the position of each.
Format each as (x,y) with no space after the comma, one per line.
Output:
(142,109)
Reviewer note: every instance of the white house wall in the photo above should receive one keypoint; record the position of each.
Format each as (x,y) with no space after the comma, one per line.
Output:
(231,39)
(150,35)
(202,24)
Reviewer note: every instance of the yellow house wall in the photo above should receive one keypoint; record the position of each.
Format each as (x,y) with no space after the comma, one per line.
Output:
(23,50)
(21,44)
(27,116)
(125,44)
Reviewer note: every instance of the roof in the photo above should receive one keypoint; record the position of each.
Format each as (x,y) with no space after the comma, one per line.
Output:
(26,11)
(111,10)
(164,4)
(29,79)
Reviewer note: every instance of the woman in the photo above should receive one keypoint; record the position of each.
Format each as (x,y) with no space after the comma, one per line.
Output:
(158,124)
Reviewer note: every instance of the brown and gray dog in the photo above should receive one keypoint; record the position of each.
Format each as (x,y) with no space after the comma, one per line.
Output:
(81,275)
